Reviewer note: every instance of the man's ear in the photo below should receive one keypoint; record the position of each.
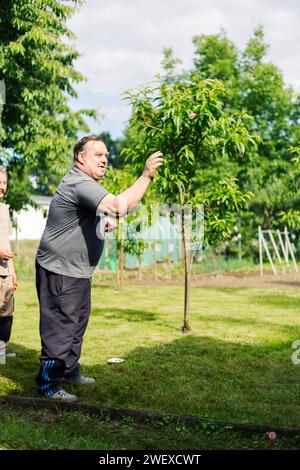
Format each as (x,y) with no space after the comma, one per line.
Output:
(80,157)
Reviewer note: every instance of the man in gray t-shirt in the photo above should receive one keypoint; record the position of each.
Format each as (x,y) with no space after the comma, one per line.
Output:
(70,245)
(69,251)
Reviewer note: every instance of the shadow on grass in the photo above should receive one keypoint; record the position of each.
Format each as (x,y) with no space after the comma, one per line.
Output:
(285,283)
(224,290)
(204,377)
(197,376)
(30,305)
(125,314)
(19,371)
(292,330)
(101,286)
(278,301)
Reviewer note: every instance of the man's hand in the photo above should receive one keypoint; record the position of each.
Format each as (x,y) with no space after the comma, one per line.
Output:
(7,255)
(110,225)
(154,161)
(15,282)
(118,206)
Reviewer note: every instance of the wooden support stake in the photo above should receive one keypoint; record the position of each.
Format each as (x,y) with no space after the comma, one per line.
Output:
(276,249)
(285,253)
(286,236)
(268,254)
(291,251)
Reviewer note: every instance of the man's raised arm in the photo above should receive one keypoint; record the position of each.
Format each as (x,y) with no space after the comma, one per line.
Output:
(120,204)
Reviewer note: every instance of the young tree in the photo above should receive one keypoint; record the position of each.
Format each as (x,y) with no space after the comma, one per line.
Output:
(37,58)
(136,246)
(116,181)
(128,232)
(115,147)
(187,122)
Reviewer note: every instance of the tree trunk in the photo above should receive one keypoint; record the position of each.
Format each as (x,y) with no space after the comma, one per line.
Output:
(121,259)
(170,263)
(140,272)
(181,248)
(186,233)
(154,260)
(117,265)
(187,279)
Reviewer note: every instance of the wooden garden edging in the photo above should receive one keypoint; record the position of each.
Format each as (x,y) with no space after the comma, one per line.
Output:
(140,415)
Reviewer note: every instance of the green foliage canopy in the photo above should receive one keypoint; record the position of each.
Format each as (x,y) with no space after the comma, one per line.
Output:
(37,58)
(255,87)
(187,122)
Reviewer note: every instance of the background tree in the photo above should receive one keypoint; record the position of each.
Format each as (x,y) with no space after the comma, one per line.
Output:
(37,58)
(187,122)
(256,87)
(117,181)
(291,218)
(136,246)
(128,234)
(115,147)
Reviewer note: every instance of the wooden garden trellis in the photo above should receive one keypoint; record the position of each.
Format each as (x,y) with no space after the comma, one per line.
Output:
(282,251)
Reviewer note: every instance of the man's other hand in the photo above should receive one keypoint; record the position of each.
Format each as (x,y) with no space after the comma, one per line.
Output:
(6,255)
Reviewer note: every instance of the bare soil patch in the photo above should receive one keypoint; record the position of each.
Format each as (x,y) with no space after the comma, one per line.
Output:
(233,279)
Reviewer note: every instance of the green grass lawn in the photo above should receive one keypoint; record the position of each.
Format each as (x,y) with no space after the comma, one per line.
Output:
(235,365)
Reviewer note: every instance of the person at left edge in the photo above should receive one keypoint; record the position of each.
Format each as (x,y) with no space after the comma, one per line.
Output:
(8,278)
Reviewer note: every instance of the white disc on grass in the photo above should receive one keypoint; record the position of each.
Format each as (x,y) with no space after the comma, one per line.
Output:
(115,360)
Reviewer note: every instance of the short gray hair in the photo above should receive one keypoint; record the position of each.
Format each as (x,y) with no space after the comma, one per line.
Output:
(3,170)
(80,146)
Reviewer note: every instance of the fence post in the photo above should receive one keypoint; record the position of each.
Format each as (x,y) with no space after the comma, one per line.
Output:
(260,251)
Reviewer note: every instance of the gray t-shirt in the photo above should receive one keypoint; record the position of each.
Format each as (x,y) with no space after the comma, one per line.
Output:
(70,245)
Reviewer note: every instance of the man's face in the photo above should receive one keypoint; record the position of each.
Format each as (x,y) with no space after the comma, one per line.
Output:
(3,184)
(94,159)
